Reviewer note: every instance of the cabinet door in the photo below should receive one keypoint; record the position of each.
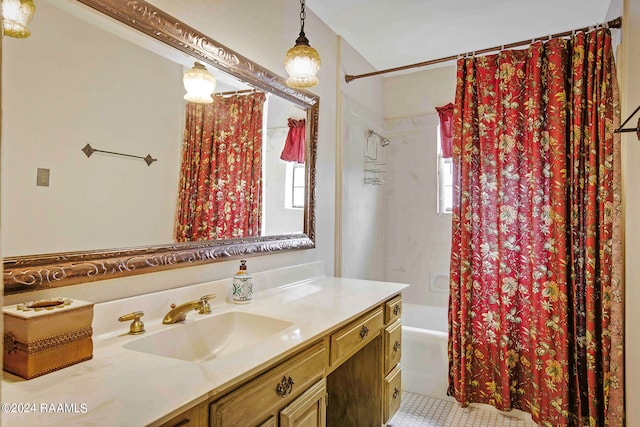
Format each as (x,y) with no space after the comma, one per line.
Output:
(308,410)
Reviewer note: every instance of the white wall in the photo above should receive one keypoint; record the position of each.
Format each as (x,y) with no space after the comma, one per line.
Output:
(277,218)
(63,91)
(361,225)
(418,238)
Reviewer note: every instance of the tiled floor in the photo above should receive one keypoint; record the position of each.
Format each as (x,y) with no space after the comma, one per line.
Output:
(417,410)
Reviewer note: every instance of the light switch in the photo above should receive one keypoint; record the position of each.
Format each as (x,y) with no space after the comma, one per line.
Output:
(42,179)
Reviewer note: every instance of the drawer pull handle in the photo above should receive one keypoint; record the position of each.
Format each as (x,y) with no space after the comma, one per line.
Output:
(285,387)
(364,332)
(396,309)
(396,346)
(396,393)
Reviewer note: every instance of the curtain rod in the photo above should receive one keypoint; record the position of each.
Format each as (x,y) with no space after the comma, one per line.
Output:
(614,23)
(235,92)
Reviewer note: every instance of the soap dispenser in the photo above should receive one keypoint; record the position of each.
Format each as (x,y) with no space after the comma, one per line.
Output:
(242,285)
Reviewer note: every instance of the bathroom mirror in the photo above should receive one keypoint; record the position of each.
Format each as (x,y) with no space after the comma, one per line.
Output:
(155,127)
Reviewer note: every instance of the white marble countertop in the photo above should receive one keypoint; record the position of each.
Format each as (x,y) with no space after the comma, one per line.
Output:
(122,387)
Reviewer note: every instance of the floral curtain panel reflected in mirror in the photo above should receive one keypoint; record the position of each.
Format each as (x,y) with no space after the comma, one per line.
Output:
(220,189)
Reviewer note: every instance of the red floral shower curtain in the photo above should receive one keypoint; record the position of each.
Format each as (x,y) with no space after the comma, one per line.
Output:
(220,189)
(536,277)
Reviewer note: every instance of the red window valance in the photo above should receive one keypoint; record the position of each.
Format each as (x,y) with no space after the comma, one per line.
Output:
(446,129)
(295,145)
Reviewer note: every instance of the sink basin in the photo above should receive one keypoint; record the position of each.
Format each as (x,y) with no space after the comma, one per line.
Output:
(210,337)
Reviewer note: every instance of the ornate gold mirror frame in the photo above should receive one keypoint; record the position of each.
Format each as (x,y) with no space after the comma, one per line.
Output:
(35,272)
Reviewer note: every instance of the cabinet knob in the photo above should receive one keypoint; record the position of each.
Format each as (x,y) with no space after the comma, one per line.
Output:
(396,346)
(285,387)
(364,332)
(396,393)
(396,309)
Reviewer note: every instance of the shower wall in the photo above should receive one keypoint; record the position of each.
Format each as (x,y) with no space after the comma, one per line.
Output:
(360,234)
(363,224)
(418,238)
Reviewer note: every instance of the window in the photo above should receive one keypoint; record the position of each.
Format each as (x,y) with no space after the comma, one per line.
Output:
(294,186)
(445,181)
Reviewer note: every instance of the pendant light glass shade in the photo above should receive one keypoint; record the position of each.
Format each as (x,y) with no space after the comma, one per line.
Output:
(199,84)
(302,62)
(16,14)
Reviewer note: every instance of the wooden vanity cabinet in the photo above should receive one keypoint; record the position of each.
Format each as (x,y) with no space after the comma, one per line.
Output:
(351,377)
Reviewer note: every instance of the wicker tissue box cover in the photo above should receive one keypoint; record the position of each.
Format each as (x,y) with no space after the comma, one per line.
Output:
(46,335)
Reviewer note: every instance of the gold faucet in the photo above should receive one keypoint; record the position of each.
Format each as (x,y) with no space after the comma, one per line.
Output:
(136,327)
(179,313)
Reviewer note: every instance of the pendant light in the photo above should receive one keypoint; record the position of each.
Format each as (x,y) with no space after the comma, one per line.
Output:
(302,61)
(16,14)
(199,84)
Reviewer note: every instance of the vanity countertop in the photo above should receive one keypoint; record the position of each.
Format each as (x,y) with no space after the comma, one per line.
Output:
(122,387)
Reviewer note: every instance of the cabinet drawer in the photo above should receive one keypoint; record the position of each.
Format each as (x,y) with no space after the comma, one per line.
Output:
(392,345)
(392,393)
(256,401)
(354,336)
(392,310)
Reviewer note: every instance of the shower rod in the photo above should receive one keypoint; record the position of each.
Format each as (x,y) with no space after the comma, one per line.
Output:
(614,23)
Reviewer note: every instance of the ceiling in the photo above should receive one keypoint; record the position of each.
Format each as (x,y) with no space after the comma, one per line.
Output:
(392,33)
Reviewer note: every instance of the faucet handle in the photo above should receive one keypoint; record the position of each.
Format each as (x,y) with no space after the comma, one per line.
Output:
(204,307)
(136,327)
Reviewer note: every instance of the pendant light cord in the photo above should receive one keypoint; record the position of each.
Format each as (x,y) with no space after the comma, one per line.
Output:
(302,39)
(303,15)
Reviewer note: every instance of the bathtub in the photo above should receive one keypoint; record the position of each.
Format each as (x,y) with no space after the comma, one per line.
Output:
(424,350)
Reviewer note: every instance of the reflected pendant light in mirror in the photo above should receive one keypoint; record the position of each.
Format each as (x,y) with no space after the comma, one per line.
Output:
(302,61)
(199,84)
(16,14)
